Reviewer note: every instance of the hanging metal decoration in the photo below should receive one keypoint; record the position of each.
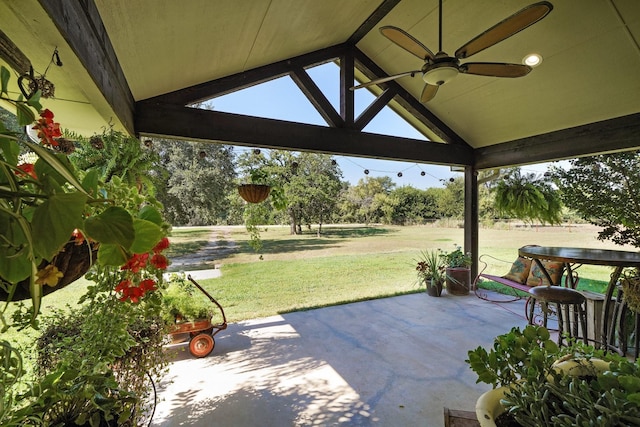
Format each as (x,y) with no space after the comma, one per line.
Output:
(29,83)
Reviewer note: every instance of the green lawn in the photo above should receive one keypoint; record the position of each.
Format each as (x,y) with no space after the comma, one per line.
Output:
(351,263)
(346,263)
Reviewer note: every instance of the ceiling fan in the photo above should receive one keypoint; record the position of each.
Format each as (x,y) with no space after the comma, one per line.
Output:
(441,68)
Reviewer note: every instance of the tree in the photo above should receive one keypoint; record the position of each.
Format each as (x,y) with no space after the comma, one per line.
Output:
(196,182)
(605,190)
(364,201)
(408,205)
(529,197)
(450,199)
(310,183)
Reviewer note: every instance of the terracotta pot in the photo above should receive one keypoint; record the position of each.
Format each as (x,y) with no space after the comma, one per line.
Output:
(458,280)
(254,193)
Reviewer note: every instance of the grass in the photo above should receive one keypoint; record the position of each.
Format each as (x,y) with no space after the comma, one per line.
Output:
(352,263)
(344,264)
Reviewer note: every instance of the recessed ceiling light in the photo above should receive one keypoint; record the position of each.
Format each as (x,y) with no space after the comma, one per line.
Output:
(532,60)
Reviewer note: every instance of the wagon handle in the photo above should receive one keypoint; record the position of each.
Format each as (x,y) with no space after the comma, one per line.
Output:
(224,318)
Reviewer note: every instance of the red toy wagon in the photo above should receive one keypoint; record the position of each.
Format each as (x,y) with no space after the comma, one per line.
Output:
(201,331)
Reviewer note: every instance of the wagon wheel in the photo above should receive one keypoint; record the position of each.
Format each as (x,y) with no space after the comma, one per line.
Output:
(201,345)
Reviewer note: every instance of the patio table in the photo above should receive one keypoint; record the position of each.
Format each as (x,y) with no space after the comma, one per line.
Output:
(614,308)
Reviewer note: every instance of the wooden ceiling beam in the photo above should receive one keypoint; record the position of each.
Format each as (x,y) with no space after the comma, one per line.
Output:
(347,97)
(245,79)
(374,108)
(178,122)
(372,21)
(619,134)
(407,101)
(80,24)
(13,55)
(313,93)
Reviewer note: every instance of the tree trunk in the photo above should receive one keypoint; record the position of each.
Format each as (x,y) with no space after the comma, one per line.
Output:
(319,229)
(293,224)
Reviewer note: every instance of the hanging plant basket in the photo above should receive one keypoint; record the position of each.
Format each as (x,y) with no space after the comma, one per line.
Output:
(254,193)
(73,261)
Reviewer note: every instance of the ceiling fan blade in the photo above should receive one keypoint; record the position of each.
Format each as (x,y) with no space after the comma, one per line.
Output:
(495,69)
(506,28)
(407,42)
(428,93)
(386,79)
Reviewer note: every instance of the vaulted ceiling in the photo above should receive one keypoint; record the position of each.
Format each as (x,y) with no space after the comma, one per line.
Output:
(138,65)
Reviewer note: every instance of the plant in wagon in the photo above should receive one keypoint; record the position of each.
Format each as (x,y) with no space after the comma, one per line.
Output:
(182,302)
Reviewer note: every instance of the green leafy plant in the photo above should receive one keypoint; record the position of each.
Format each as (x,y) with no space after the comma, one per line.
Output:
(548,385)
(430,266)
(45,202)
(528,197)
(182,301)
(519,354)
(95,361)
(456,258)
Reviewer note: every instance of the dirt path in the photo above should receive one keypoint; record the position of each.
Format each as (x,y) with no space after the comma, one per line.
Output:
(206,257)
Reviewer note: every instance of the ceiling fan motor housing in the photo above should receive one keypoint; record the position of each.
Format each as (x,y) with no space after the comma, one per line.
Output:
(441,70)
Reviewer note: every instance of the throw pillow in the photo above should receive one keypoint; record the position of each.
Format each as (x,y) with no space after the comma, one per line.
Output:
(519,270)
(537,277)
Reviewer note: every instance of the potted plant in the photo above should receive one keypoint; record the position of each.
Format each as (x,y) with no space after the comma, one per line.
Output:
(430,270)
(537,383)
(458,272)
(183,303)
(49,211)
(47,207)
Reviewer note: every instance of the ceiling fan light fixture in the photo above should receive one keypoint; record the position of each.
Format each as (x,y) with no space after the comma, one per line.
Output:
(440,74)
(532,60)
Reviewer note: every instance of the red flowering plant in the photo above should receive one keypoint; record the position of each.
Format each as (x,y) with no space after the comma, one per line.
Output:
(51,212)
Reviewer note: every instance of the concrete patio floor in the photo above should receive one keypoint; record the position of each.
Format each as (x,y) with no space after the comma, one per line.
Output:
(389,362)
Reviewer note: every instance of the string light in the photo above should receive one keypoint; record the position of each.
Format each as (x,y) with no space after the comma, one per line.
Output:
(367,171)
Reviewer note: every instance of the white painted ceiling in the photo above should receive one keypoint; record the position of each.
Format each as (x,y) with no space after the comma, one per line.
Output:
(590,71)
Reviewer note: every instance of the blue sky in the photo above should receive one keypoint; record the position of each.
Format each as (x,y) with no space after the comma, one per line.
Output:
(281,99)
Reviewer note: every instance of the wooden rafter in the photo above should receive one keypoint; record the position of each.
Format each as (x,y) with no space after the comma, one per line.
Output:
(407,101)
(606,136)
(373,20)
(80,24)
(316,97)
(179,122)
(245,79)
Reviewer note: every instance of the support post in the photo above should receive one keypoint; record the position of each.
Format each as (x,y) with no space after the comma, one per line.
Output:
(471,216)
